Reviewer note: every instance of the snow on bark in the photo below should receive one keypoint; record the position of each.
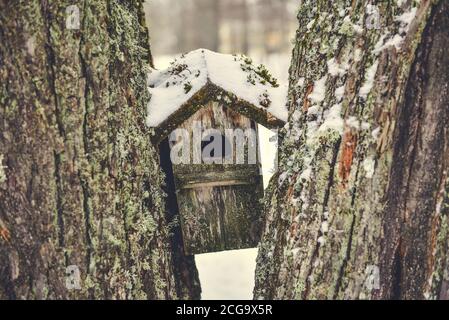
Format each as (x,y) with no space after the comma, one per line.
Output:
(326,212)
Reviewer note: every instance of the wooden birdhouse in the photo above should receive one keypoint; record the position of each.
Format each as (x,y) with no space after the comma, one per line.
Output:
(209,105)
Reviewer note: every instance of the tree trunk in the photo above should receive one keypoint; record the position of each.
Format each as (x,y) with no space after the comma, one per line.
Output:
(360,205)
(80,183)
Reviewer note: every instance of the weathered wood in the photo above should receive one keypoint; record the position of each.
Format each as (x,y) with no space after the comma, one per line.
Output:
(219,203)
(220,218)
(216,174)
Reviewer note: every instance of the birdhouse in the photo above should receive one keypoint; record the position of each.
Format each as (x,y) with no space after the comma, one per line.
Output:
(209,105)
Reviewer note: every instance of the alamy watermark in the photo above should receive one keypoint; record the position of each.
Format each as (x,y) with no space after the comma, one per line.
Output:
(219,146)
(72,20)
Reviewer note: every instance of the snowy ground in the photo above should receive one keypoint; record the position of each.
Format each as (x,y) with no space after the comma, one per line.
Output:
(230,274)
(227,275)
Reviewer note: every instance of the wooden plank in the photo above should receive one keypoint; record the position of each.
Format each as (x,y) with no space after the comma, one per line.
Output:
(219,204)
(220,218)
(201,222)
(242,216)
(199,174)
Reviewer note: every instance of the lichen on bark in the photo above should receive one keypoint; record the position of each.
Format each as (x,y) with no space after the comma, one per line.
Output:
(330,228)
(83,183)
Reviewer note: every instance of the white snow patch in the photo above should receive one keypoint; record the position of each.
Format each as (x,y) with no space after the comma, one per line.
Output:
(312,127)
(379,44)
(369,80)
(333,120)
(339,92)
(336,69)
(347,23)
(319,90)
(300,82)
(353,123)
(368,166)
(375,133)
(295,251)
(325,227)
(315,109)
(365,125)
(305,174)
(357,55)
(307,170)
(282,177)
(296,115)
(310,24)
(395,41)
(357,29)
(406,19)
(295,203)
(174,86)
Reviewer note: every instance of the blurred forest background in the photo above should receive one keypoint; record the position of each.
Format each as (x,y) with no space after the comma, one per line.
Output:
(261,29)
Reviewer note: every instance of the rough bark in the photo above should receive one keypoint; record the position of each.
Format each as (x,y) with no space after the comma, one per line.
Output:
(367,194)
(187,284)
(80,183)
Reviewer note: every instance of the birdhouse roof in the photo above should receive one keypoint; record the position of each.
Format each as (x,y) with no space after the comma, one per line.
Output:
(201,76)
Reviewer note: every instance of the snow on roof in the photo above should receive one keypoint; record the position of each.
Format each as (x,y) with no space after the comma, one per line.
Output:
(174,86)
